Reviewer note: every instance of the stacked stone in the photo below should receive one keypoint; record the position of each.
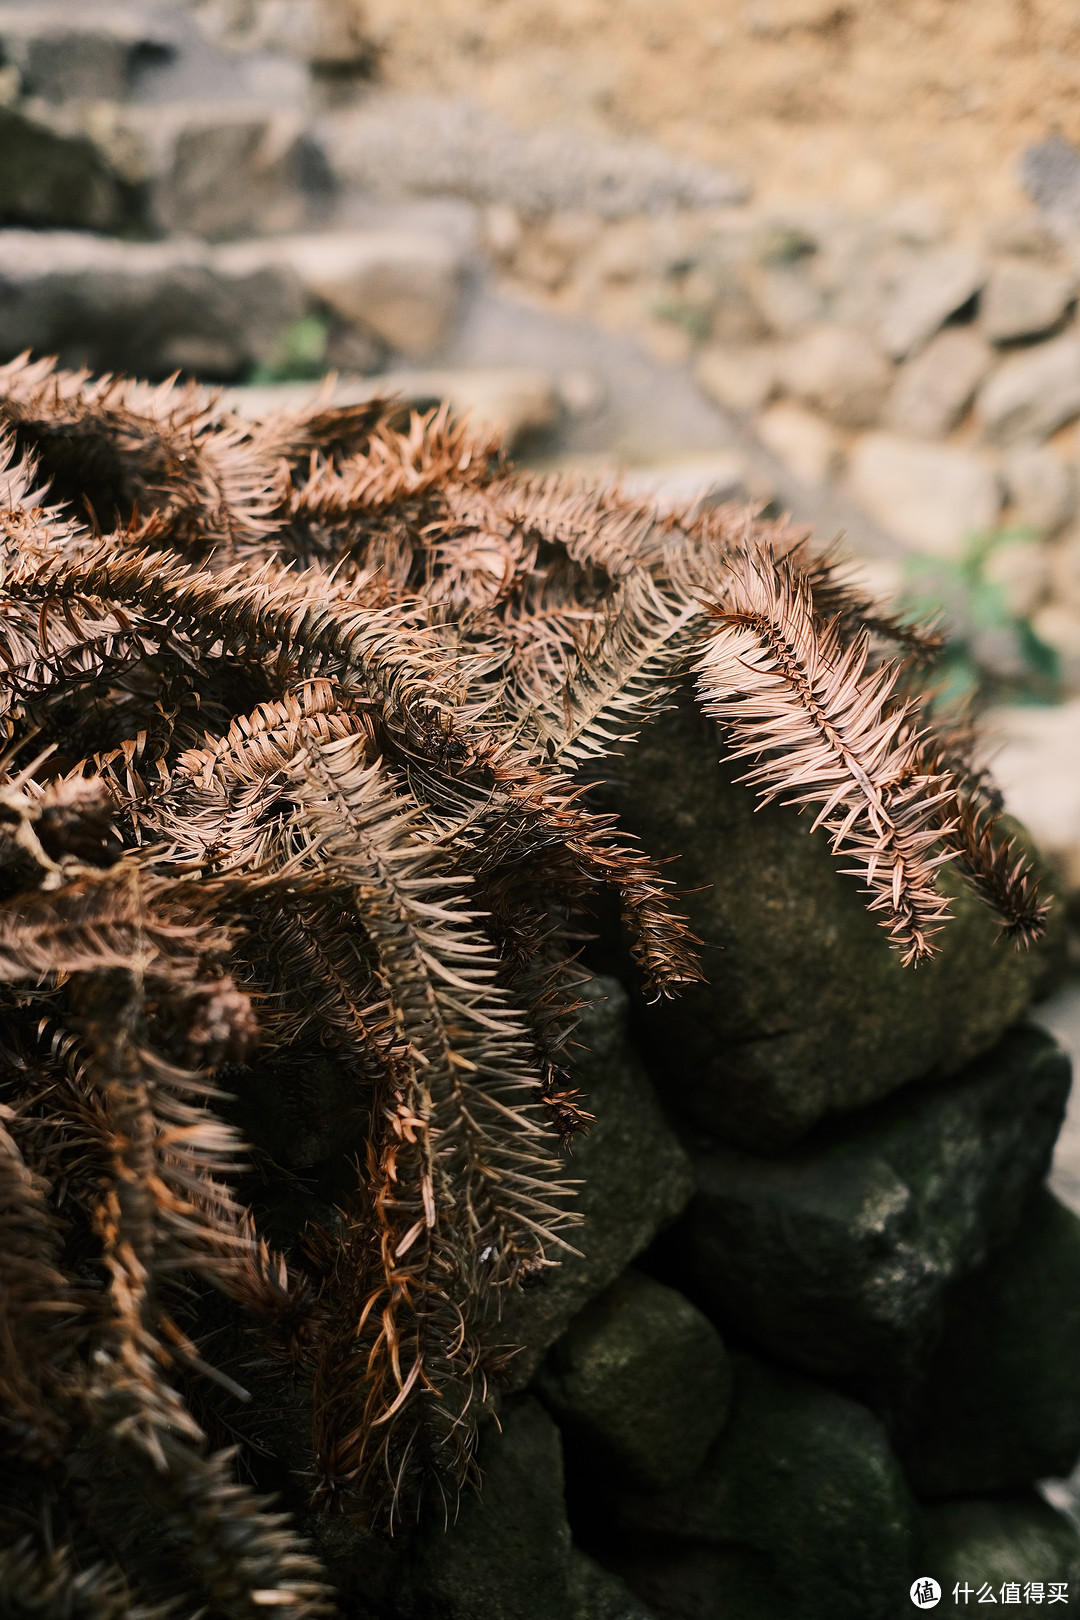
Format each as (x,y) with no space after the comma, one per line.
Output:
(929,374)
(821,1337)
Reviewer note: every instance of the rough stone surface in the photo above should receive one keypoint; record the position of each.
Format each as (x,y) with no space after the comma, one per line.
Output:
(597,1594)
(640,1384)
(933,390)
(149,308)
(939,284)
(1017,1538)
(931,496)
(1041,488)
(806,444)
(635,1179)
(807,1010)
(48,179)
(801,1508)
(1032,393)
(840,372)
(1023,300)
(838,1257)
(402,286)
(506,1555)
(1001,1403)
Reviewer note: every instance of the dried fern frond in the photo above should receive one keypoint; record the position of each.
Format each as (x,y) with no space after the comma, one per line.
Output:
(297,754)
(827,735)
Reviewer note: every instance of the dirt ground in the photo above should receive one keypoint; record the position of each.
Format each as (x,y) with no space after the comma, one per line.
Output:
(854,100)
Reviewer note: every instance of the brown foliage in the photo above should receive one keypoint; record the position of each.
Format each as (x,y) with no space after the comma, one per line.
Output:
(292,715)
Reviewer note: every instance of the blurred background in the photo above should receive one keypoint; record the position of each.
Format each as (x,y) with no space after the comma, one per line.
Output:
(823,254)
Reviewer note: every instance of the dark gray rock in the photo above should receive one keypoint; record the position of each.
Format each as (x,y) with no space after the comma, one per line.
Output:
(1050,174)
(597,1594)
(807,1011)
(801,1509)
(640,1384)
(49,179)
(506,1556)
(1017,1539)
(148,308)
(635,1179)
(838,1257)
(1001,1404)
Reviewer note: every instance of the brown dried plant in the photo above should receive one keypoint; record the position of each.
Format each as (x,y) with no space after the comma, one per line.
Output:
(295,715)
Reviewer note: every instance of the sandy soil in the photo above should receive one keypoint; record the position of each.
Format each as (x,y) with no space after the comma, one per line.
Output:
(855,100)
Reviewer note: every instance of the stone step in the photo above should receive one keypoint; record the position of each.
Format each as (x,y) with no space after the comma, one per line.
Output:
(513,400)
(149,308)
(65,53)
(153,307)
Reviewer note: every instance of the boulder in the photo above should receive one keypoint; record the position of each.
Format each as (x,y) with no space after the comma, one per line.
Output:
(940,282)
(1012,1549)
(934,389)
(808,446)
(640,1384)
(506,1554)
(932,496)
(634,1180)
(50,179)
(839,371)
(402,286)
(1031,394)
(839,1257)
(149,308)
(597,1594)
(1041,488)
(800,1509)
(807,1011)
(1024,300)
(1001,1403)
